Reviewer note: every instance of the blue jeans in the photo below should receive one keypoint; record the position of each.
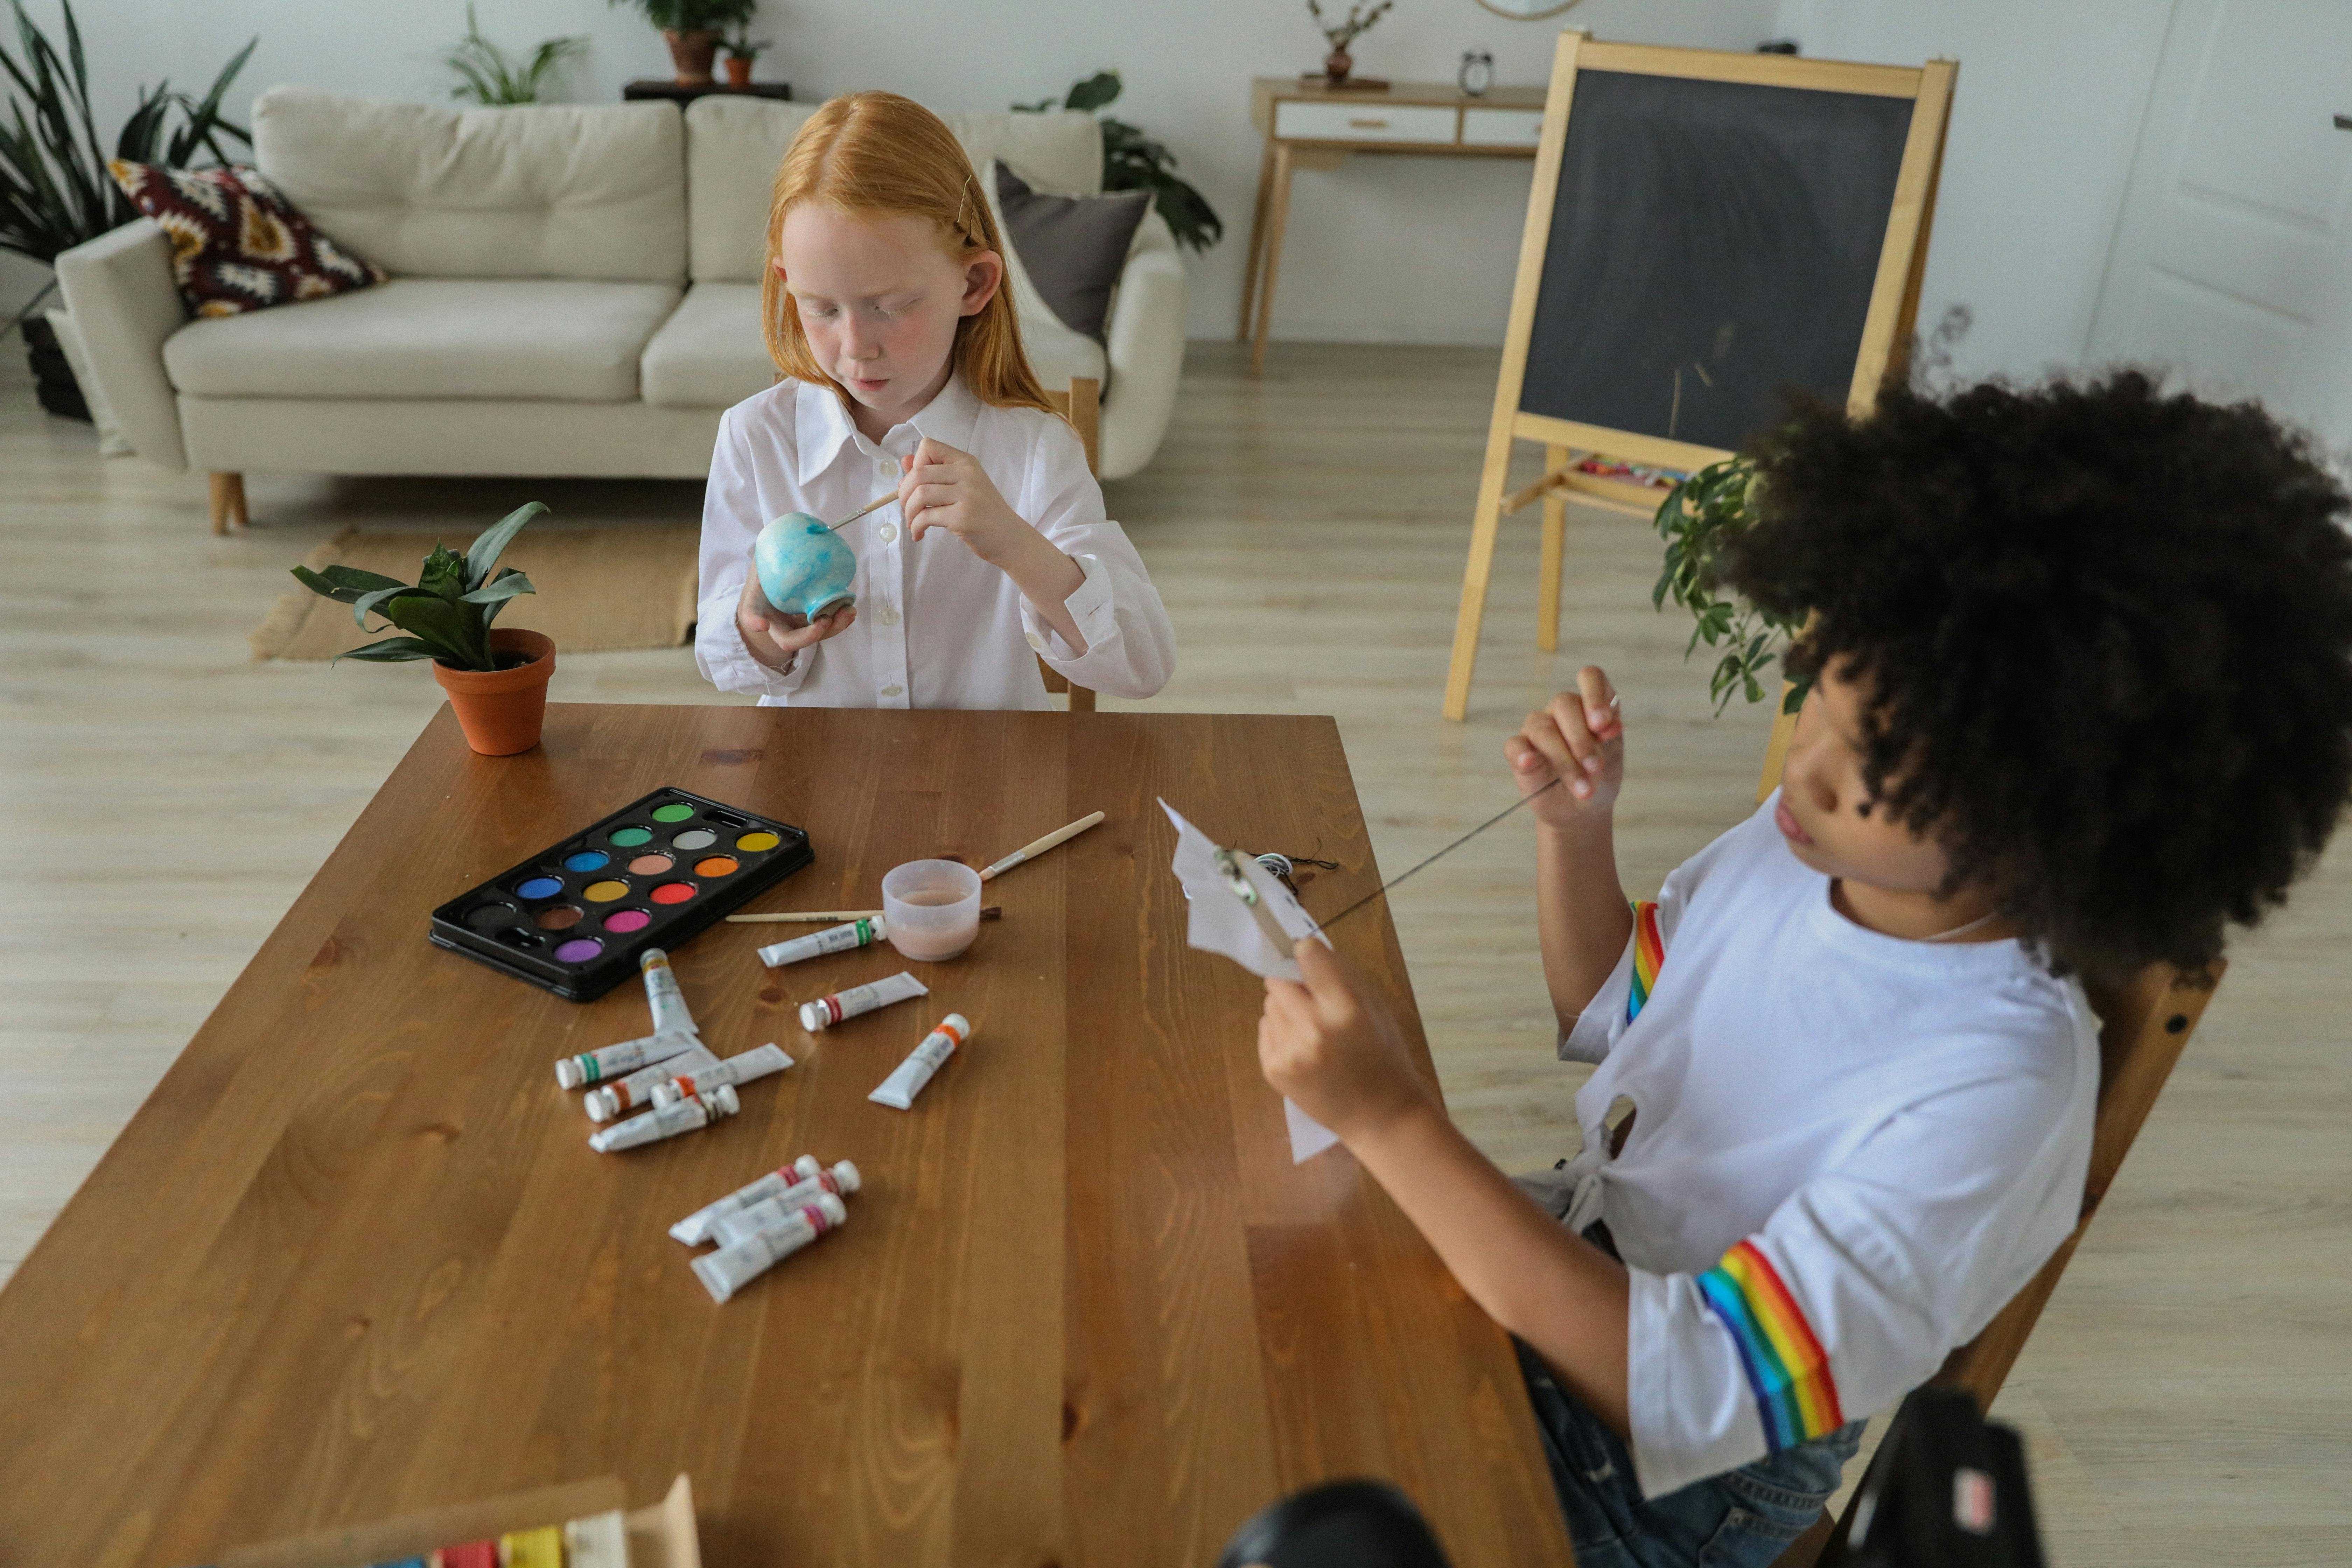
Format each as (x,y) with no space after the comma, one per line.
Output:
(1741,1519)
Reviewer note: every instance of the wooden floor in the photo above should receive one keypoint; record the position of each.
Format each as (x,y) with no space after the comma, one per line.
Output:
(2188,1396)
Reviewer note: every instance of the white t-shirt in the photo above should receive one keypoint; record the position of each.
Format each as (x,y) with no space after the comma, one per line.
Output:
(936,626)
(1849,1150)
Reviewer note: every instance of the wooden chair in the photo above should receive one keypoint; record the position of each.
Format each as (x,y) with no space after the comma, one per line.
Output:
(1082,406)
(2143,1025)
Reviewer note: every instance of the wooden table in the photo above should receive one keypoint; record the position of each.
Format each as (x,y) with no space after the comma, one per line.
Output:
(1312,125)
(353,1257)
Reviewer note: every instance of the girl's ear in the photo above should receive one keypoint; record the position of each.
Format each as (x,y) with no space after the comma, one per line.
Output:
(983,274)
(778,263)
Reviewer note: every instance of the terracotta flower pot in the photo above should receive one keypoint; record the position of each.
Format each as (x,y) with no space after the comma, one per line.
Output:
(501,709)
(690,54)
(739,71)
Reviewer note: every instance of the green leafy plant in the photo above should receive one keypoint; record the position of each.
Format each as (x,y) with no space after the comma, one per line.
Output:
(1698,519)
(55,191)
(1358,22)
(488,75)
(447,612)
(1134,161)
(693,16)
(740,45)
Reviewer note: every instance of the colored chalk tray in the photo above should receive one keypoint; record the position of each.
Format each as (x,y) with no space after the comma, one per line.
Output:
(575,918)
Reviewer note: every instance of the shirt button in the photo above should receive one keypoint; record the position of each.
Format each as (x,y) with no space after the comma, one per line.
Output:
(1037,642)
(886,533)
(887,615)
(893,689)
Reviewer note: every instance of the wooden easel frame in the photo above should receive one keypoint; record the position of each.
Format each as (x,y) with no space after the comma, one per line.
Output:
(1885,334)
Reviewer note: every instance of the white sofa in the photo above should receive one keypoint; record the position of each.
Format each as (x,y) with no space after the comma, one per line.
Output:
(575,292)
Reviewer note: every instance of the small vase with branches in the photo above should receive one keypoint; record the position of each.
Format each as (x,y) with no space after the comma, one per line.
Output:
(1339,35)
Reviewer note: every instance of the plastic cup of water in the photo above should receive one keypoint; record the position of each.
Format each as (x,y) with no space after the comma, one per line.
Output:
(932,908)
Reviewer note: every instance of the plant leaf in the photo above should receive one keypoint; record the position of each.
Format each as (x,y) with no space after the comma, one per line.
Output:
(373,599)
(491,542)
(500,589)
(1094,92)
(390,650)
(456,631)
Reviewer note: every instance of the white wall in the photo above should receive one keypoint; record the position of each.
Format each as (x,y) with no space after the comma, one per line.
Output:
(1390,249)
(2044,121)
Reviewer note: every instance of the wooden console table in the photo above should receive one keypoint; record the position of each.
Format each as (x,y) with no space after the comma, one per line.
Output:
(1308,125)
(354,1258)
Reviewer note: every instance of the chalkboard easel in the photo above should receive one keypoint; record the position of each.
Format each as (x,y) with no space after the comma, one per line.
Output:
(1705,231)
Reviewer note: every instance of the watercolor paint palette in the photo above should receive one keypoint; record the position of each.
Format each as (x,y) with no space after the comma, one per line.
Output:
(576,917)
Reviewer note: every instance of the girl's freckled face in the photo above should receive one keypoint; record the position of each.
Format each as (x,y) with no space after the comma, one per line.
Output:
(879,297)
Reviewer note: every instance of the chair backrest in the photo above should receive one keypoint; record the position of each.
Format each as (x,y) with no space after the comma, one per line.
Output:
(543,191)
(2143,1025)
(1082,406)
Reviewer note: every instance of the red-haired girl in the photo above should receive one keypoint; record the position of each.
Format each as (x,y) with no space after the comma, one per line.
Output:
(884,308)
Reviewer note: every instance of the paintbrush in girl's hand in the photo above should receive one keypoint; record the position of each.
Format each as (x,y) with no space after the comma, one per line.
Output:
(877,504)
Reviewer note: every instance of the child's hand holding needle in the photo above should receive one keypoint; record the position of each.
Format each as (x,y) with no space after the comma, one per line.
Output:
(1578,737)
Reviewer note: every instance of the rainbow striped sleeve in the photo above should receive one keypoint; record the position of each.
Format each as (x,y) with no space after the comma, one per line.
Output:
(1649,952)
(1795,1397)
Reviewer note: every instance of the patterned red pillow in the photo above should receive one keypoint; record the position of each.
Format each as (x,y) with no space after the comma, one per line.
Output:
(236,243)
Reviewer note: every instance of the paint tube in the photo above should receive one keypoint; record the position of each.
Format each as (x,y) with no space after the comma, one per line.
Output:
(662,994)
(899,1090)
(625,1057)
(832,939)
(742,1068)
(635,1091)
(669,1121)
(729,1269)
(744,1223)
(695,1228)
(599,1540)
(827,1011)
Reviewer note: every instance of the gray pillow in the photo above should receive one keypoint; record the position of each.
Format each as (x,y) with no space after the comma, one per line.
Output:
(1073,247)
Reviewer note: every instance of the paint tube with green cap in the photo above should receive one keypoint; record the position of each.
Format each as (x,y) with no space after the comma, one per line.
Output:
(832,939)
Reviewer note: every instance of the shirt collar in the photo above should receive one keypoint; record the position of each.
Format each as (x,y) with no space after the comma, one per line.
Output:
(821,425)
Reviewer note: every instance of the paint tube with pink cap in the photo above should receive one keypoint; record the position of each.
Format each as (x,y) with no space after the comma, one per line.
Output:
(731,1268)
(729,1228)
(695,1228)
(827,1011)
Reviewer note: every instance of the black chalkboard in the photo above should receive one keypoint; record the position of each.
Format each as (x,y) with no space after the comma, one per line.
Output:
(1713,244)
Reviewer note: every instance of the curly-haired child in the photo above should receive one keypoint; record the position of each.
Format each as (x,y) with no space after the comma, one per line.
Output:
(2081,663)
(885,310)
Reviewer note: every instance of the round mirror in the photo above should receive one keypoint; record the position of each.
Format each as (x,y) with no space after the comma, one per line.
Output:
(1527,10)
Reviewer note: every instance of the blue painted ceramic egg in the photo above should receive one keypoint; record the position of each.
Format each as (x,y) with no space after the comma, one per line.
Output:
(804,566)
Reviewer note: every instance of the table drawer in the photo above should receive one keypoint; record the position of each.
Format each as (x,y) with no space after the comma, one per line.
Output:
(1502,127)
(1297,121)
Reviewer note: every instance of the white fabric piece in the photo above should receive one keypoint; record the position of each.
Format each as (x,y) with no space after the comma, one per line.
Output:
(709,353)
(734,146)
(1146,335)
(539,190)
(1217,920)
(119,289)
(111,442)
(554,340)
(936,626)
(1900,1129)
(454,436)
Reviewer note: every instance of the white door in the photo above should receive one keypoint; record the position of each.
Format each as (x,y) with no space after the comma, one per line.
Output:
(2232,262)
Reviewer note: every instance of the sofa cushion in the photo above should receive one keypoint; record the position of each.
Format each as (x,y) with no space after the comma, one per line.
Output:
(733,146)
(1072,248)
(236,243)
(708,354)
(542,190)
(546,338)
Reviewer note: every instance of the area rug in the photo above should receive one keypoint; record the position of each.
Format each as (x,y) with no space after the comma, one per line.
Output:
(600,590)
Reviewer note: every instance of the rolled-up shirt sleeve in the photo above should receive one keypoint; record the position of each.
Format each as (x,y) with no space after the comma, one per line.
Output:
(1130,643)
(730,523)
(1858,1286)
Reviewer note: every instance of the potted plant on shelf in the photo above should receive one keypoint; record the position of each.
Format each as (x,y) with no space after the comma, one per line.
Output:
(1698,519)
(497,681)
(740,49)
(55,191)
(488,75)
(1339,35)
(693,28)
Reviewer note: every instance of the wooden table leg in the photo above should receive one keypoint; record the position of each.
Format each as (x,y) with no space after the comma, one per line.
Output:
(1486,521)
(1277,213)
(1257,241)
(229,503)
(1554,539)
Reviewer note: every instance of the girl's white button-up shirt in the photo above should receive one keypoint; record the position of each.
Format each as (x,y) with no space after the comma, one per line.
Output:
(936,626)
